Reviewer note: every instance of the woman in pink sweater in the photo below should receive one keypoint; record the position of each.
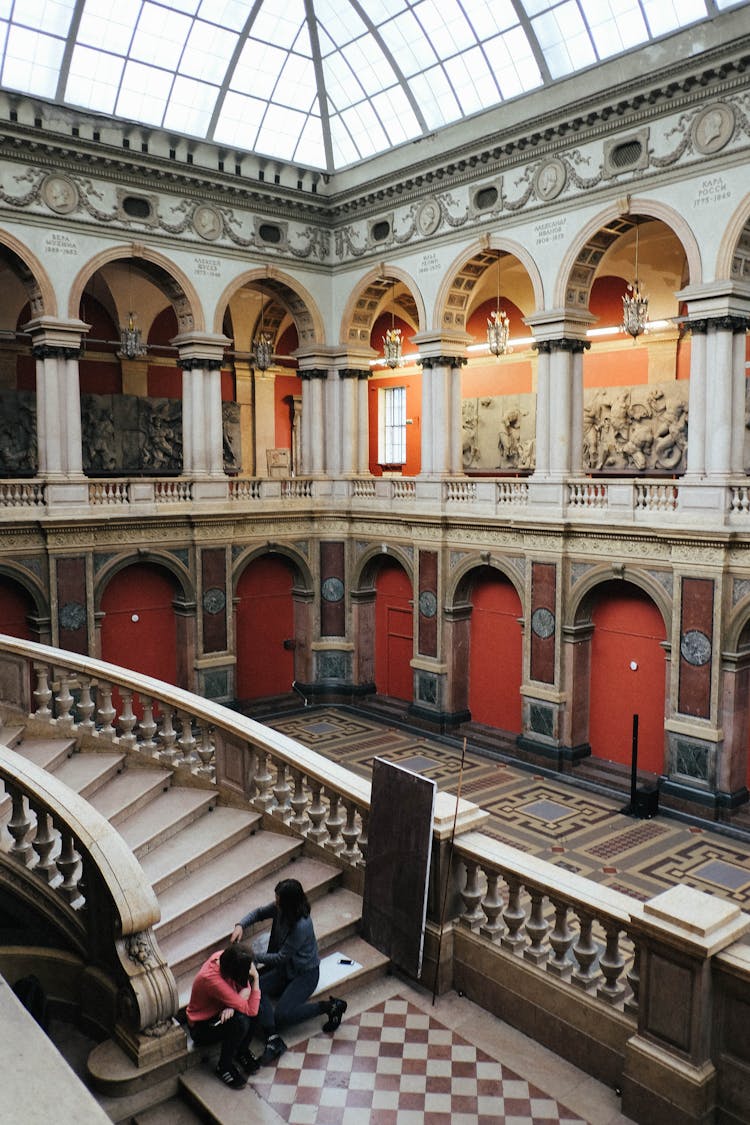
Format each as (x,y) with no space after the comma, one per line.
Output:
(224,1002)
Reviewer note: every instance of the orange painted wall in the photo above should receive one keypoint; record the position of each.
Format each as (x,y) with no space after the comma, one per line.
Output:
(627,627)
(495,657)
(149,644)
(394,631)
(285,387)
(413,384)
(264,620)
(490,377)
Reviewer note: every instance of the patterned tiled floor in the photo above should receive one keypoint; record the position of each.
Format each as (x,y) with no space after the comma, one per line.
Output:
(395,1064)
(546,817)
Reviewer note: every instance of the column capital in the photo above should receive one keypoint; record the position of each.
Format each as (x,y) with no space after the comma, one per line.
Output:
(429,361)
(724,298)
(313,373)
(200,349)
(63,338)
(354,372)
(443,349)
(562,344)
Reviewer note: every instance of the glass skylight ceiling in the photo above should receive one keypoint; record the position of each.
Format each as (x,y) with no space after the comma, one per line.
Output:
(318,83)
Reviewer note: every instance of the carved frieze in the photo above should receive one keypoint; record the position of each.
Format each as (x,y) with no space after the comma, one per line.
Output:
(18,439)
(128,434)
(641,429)
(498,432)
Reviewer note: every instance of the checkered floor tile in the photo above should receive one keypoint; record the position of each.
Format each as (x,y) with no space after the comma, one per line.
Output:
(396,1065)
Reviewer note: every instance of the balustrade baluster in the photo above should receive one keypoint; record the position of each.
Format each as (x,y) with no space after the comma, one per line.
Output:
(206,754)
(19,826)
(611,964)
(536,927)
(363,841)
(86,708)
(42,693)
(561,939)
(335,821)
(264,798)
(350,832)
(127,720)
(282,791)
(44,843)
(106,713)
(492,906)
(147,727)
(68,864)
(514,916)
(167,736)
(633,978)
(473,916)
(585,952)
(64,706)
(299,802)
(317,813)
(188,759)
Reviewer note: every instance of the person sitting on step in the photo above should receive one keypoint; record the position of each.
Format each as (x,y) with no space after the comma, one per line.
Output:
(289,969)
(224,1002)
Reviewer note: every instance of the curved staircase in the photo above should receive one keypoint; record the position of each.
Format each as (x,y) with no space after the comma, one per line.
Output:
(209,861)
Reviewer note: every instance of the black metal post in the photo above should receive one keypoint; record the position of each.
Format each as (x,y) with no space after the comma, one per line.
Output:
(634,767)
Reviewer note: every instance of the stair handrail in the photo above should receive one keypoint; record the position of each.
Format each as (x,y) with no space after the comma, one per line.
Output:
(85,878)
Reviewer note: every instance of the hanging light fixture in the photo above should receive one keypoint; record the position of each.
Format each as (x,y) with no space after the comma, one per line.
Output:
(262,345)
(131,344)
(498,324)
(634,303)
(392,338)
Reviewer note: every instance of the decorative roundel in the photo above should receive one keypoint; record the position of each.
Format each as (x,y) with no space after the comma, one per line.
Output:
(428,217)
(695,648)
(550,179)
(713,128)
(543,623)
(332,589)
(427,603)
(60,194)
(207,222)
(72,615)
(214,600)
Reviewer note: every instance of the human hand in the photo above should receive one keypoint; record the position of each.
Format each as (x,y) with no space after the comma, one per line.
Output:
(236,934)
(253,976)
(224,1015)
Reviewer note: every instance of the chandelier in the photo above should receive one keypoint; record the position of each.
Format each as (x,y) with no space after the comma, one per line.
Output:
(262,351)
(634,303)
(131,344)
(498,324)
(392,338)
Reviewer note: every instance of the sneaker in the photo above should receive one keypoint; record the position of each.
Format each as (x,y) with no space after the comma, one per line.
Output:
(248,1061)
(275,1047)
(336,1009)
(231,1077)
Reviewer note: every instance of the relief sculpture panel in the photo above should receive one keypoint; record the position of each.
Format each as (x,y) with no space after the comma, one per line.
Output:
(498,433)
(18,444)
(636,429)
(127,434)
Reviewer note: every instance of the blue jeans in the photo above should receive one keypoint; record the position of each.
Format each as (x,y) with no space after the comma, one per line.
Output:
(291,999)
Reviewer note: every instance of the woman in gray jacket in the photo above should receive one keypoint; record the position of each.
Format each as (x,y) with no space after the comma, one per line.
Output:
(289,969)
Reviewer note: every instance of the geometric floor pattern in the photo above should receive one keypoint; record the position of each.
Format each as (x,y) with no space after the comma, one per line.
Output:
(544,816)
(396,1065)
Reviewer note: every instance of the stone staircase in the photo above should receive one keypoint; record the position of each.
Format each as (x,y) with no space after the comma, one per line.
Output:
(209,862)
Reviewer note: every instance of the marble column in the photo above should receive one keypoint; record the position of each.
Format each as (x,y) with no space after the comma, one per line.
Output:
(563,413)
(441,415)
(201,358)
(313,421)
(352,425)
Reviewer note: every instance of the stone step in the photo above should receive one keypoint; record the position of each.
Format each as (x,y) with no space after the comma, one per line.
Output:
(87,773)
(11,735)
(195,845)
(125,794)
(47,753)
(175,1111)
(152,826)
(336,919)
(223,878)
(187,947)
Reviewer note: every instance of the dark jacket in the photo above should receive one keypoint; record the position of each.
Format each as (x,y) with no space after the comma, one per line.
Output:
(294,949)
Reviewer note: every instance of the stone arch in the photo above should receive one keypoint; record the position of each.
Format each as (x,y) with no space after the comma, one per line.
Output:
(454,295)
(33,276)
(291,554)
(573,285)
(459,588)
(737,636)
(152,558)
(290,296)
(733,258)
(582,594)
(29,584)
(366,299)
(367,566)
(161,271)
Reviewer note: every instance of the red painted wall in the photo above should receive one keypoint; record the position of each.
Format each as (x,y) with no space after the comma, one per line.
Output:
(264,620)
(627,627)
(495,655)
(284,387)
(147,645)
(15,607)
(394,631)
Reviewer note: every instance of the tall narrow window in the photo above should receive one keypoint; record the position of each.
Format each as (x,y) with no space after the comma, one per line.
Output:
(392,426)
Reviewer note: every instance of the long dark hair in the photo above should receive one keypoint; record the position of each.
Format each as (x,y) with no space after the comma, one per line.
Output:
(293,903)
(234,965)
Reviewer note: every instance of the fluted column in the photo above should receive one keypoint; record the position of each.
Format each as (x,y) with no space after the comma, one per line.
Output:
(56,347)
(201,357)
(696,449)
(725,404)
(313,422)
(353,426)
(441,415)
(559,433)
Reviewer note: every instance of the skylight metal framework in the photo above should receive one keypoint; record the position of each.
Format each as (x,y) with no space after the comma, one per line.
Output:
(323,84)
